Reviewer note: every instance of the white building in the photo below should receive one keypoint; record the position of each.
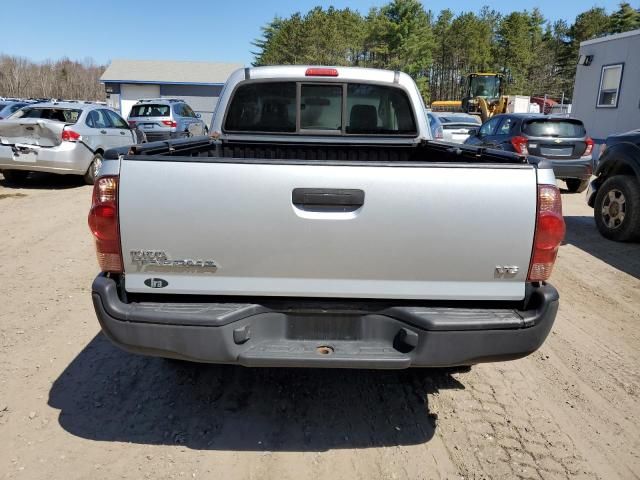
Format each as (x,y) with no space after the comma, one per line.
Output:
(606,94)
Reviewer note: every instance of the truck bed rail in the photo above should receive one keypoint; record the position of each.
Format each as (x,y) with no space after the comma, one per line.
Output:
(207,149)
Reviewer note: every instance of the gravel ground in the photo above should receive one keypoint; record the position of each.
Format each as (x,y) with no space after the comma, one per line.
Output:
(72,406)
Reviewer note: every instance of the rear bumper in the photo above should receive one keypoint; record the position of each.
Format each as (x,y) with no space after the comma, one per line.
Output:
(359,336)
(580,168)
(66,158)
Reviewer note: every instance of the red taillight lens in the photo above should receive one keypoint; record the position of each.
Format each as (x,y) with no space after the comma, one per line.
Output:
(71,136)
(132,123)
(520,145)
(549,233)
(169,123)
(589,148)
(321,72)
(104,225)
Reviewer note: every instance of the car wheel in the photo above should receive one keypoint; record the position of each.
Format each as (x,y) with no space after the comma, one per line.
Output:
(575,185)
(617,208)
(15,177)
(94,168)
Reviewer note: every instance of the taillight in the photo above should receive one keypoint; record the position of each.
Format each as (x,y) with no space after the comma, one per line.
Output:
(132,123)
(589,149)
(321,72)
(520,145)
(71,136)
(169,123)
(549,233)
(103,222)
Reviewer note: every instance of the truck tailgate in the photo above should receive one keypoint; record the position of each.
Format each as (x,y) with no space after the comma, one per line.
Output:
(426,231)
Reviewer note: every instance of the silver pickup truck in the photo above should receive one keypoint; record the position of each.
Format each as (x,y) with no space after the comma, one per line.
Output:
(320,226)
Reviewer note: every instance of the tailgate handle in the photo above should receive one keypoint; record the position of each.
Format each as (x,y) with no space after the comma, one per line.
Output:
(341,199)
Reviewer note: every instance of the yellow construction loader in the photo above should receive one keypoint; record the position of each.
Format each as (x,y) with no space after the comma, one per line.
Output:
(484,96)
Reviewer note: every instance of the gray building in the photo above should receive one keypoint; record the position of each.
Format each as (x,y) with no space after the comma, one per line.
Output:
(606,95)
(198,83)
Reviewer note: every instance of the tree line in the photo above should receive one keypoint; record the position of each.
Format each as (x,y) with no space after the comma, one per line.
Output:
(438,51)
(62,79)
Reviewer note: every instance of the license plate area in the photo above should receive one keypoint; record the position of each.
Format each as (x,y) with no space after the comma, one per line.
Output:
(25,155)
(323,327)
(556,151)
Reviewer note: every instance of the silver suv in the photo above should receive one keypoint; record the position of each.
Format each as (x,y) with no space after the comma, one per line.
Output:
(60,137)
(165,118)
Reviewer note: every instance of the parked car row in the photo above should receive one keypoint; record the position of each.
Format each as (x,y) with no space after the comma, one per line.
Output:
(71,137)
(10,105)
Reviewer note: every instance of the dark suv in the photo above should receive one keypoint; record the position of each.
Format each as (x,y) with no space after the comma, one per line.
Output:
(615,193)
(562,140)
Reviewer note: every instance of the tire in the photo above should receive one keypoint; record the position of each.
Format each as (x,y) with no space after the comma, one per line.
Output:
(15,177)
(575,185)
(617,208)
(92,171)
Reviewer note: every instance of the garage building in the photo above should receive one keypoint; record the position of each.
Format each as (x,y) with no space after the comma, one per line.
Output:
(198,83)
(606,94)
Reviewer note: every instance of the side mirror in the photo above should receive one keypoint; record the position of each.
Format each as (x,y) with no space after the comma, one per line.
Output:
(198,115)
(474,132)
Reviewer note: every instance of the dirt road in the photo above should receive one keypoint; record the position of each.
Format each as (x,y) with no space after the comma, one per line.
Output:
(72,406)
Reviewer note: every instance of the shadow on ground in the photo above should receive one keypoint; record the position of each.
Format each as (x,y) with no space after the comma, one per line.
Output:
(46,181)
(582,232)
(108,395)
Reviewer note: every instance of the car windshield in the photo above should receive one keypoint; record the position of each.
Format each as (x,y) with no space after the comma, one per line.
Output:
(485,86)
(150,110)
(460,119)
(554,128)
(65,115)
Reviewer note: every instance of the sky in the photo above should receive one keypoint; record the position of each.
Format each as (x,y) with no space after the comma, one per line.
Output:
(189,30)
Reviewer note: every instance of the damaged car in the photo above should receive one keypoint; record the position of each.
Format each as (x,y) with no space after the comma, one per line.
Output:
(60,137)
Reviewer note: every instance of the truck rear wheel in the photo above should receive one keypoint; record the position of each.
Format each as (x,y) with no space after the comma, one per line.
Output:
(617,208)
(15,177)
(575,185)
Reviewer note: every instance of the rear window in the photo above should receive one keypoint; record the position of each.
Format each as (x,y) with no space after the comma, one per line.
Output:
(65,115)
(460,119)
(150,110)
(323,108)
(263,107)
(554,128)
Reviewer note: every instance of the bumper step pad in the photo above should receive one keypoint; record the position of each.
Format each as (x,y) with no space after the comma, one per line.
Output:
(334,354)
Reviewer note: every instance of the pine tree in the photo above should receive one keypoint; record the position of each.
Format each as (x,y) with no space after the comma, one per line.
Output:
(625,19)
